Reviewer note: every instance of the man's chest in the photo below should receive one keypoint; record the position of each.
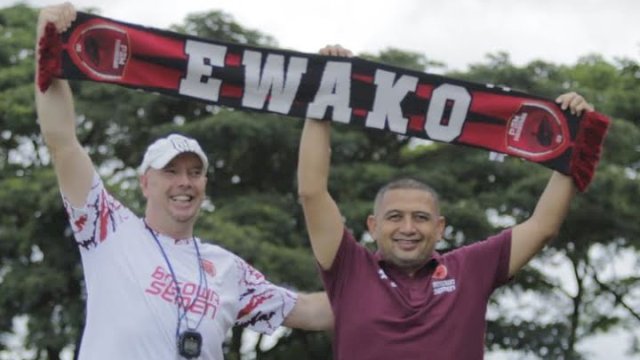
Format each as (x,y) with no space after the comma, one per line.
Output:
(384,298)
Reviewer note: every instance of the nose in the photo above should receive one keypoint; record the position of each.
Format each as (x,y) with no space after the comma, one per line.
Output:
(182,178)
(407,226)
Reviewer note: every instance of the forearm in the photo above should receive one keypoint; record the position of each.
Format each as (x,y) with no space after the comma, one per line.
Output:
(554,203)
(56,115)
(528,238)
(311,312)
(57,124)
(314,158)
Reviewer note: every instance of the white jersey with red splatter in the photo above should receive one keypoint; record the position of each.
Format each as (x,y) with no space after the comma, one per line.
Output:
(132,307)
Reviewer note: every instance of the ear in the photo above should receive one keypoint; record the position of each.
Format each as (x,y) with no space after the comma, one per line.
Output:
(144,184)
(371,224)
(442,224)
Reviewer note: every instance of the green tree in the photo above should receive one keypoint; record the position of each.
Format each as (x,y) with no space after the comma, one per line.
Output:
(38,264)
(252,207)
(601,227)
(251,188)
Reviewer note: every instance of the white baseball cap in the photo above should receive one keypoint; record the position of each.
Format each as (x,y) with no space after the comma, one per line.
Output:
(163,150)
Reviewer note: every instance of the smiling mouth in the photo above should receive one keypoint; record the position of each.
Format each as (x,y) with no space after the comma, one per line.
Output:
(405,244)
(182,198)
(407,240)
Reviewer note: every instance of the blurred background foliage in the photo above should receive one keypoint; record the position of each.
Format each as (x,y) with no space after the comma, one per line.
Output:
(586,283)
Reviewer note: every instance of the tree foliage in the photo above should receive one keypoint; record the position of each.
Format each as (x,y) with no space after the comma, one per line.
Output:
(252,207)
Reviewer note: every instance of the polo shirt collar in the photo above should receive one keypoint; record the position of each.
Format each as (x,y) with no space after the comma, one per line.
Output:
(427,268)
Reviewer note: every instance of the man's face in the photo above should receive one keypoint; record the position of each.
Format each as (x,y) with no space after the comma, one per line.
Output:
(406,226)
(175,192)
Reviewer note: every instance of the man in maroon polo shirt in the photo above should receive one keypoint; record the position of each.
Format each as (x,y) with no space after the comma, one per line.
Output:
(406,301)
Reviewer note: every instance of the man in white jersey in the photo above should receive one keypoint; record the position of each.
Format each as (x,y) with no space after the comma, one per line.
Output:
(154,290)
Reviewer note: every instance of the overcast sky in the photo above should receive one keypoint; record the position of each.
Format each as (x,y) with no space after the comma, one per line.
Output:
(456,32)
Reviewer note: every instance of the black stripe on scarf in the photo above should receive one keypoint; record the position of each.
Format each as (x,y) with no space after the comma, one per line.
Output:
(346,90)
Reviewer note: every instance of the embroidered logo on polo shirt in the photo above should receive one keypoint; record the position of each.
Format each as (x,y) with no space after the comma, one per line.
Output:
(440,284)
(444,286)
(440,272)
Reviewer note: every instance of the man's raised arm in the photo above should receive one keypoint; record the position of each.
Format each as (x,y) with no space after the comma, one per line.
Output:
(529,237)
(321,213)
(56,117)
(323,219)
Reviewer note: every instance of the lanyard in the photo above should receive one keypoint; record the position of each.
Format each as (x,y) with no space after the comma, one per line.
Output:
(179,297)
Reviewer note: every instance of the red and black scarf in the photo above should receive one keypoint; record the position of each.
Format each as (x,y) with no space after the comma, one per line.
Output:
(345,90)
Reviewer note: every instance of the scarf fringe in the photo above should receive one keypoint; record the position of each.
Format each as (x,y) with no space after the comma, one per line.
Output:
(588,148)
(50,60)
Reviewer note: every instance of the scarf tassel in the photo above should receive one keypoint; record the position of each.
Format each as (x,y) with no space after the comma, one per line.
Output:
(588,148)
(50,57)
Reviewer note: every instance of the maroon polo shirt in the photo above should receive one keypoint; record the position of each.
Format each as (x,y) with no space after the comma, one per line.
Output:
(381,313)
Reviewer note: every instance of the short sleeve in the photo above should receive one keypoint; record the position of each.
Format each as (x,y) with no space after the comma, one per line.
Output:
(263,305)
(346,255)
(97,218)
(492,256)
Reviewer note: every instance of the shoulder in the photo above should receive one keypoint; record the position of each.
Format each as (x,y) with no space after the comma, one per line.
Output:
(351,249)
(211,250)
(498,239)
(494,246)
(223,258)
